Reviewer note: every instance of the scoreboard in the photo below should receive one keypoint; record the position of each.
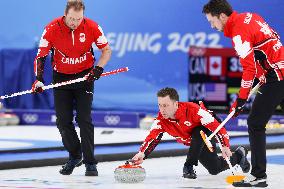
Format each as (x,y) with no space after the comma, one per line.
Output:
(214,77)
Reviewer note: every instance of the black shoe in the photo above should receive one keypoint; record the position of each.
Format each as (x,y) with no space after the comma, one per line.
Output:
(91,170)
(67,169)
(244,163)
(189,172)
(252,181)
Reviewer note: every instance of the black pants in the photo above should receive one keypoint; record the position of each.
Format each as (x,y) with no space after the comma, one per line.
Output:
(80,99)
(264,105)
(210,160)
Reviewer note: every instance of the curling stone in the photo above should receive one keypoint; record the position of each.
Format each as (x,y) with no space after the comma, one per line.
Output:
(3,120)
(146,122)
(129,173)
(12,119)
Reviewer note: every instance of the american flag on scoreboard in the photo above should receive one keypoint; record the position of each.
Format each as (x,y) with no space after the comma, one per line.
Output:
(215,92)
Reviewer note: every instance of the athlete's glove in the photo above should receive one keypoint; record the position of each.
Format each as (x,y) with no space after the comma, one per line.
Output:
(238,106)
(37,86)
(95,74)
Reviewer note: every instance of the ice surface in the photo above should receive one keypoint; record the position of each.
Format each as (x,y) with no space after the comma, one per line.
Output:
(161,173)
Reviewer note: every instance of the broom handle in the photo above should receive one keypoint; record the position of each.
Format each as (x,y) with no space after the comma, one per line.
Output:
(232,113)
(226,158)
(51,86)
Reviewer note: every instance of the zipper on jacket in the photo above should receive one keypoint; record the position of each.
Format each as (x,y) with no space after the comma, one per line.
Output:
(73,37)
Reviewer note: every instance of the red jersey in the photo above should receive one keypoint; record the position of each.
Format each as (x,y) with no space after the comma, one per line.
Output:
(71,49)
(188,116)
(259,48)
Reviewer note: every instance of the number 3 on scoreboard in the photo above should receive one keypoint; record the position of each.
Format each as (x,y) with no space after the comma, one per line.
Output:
(235,65)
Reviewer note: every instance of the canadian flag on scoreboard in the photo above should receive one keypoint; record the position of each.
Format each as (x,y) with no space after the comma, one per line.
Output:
(215,65)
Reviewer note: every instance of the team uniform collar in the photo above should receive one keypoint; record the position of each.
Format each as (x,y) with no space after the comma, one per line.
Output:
(229,25)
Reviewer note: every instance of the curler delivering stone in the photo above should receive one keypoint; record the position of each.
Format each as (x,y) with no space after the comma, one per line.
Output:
(128,173)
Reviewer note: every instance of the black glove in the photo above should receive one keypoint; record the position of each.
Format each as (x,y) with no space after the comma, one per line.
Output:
(95,74)
(238,105)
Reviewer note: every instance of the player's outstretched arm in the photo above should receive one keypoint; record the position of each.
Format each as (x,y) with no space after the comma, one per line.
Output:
(138,158)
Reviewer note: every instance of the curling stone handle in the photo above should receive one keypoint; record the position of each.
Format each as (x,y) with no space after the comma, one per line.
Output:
(129,161)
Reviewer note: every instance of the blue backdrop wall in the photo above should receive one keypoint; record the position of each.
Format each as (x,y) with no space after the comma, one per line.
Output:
(150,37)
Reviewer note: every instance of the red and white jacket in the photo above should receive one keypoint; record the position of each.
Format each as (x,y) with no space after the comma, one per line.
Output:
(71,49)
(188,116)
(259,48)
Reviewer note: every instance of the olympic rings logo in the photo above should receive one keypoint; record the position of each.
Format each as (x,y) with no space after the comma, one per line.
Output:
(112,119)
(30,118)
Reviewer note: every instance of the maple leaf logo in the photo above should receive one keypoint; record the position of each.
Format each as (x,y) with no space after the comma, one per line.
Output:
(242,48)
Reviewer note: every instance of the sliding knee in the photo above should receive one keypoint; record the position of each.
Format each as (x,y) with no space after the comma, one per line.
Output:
(213,171)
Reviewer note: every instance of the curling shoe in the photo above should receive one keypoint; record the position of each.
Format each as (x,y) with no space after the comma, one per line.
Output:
(68,168)
(91,170)
(252,181)
(189,172)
